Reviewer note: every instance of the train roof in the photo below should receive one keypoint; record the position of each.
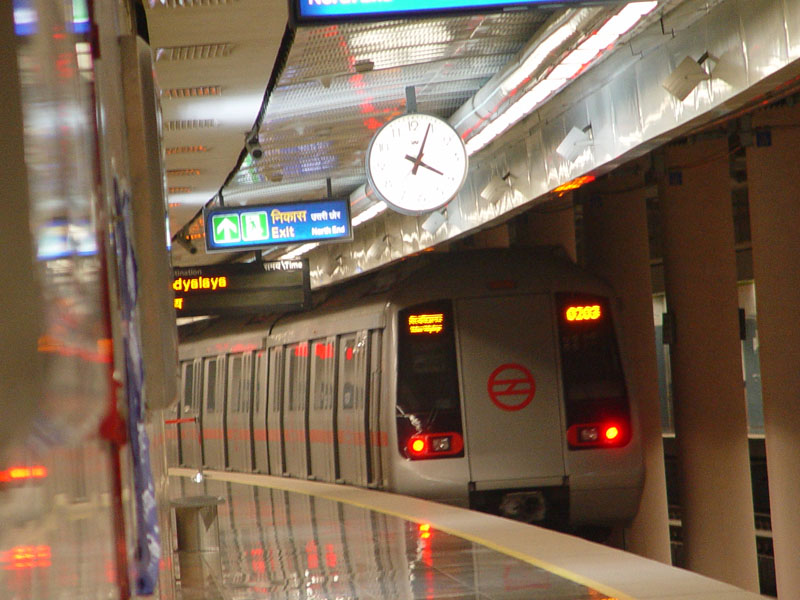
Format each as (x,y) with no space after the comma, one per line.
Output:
(423,277)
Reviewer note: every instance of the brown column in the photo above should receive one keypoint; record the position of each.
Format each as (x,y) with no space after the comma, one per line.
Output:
(550,225)
(710,410)
(617,249)
(774,191)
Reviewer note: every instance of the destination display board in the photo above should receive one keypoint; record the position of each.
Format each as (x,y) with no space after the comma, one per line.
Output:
(246,288)
(251,227)
(316,11)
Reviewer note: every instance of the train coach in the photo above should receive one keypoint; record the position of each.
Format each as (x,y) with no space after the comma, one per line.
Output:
(490,379)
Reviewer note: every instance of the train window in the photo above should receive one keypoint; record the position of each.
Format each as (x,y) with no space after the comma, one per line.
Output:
(211,384)
(188,383)
(296,376)
(323,362)
(594,384)
(235,383)
(428,399)
(347,372)
(260,389)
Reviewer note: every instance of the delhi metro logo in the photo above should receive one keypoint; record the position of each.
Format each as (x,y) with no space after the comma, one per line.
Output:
(511,387)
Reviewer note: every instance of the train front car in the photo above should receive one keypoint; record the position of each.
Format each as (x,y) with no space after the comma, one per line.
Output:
(508,391)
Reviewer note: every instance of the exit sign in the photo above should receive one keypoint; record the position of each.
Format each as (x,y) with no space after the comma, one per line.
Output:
(252,227)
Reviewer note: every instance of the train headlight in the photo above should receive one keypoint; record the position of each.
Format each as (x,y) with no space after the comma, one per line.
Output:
(418,446)
(598,435)
(440,444)
(434,445)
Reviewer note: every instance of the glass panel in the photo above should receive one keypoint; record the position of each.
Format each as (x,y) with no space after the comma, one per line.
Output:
(188,384)
(347,372)
(211,384)
(235,384)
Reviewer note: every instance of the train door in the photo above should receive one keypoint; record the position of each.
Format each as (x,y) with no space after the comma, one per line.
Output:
(351,412)
(510,391)
(377,436)
(260,456)
(275,450)
(237,411)
(189,425)
(294,409)
(213,418)
(320,409)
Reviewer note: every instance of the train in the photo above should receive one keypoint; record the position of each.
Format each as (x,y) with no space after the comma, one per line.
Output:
(490,379)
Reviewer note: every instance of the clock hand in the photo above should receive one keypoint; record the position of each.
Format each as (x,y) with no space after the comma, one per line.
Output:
(422,164)
(418,160)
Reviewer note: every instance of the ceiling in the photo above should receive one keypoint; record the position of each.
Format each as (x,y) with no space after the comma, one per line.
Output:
(229,70)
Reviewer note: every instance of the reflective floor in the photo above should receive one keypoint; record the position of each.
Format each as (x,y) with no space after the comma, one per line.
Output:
(283,545)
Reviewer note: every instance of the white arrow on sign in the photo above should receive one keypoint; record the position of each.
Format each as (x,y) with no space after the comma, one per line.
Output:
(226,231)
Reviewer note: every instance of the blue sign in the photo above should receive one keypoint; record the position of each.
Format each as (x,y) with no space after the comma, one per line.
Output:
(341,10)
(252,227)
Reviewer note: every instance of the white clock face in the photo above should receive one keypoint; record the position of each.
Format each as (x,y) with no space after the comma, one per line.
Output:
(416,163)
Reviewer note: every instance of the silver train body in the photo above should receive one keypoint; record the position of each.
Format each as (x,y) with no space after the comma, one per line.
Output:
(489,379)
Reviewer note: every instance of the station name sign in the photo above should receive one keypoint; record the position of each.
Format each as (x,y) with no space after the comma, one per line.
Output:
(251,288)
(252,227)
(315,11)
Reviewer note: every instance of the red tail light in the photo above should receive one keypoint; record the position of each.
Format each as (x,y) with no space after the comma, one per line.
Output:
(434,445)
(598,435)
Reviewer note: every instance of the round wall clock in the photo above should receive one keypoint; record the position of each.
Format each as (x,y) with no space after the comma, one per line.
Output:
(416,163)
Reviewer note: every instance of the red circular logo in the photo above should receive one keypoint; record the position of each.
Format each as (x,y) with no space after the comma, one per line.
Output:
(511,387)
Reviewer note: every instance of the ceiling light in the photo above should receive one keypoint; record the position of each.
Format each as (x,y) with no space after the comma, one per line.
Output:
(434,221)
(575,143)
(299,251)
(685,77)
(370,213)
(566,69)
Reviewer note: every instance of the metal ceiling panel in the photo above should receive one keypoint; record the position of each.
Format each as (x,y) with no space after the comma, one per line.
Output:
(342,82)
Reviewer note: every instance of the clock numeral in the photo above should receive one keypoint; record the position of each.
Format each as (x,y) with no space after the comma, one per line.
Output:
(413,125)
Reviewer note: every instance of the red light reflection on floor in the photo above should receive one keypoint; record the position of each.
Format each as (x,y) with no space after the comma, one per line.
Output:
(25,557)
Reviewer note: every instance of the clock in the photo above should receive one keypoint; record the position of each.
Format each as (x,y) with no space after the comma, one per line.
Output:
(416,163)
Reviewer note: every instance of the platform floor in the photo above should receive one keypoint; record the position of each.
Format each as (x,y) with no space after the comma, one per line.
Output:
(287,539)
(286,545)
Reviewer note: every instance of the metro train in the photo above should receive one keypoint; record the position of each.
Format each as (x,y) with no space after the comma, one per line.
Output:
(489,378)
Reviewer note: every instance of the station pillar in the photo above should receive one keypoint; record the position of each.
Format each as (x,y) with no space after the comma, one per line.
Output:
(774,194)
(550,225)
(710,410)
(617,249)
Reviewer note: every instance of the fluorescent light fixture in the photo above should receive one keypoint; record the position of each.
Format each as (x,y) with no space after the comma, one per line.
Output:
(434,221)
(300,250)
(575,143)
(568,68)
(370,213)
(685,78)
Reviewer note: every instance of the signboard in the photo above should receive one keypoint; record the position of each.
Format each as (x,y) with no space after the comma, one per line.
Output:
(249,288)
(316,11)
(251,227)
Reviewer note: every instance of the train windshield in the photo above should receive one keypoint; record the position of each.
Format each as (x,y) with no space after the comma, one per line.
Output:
(594,384)
(428,399)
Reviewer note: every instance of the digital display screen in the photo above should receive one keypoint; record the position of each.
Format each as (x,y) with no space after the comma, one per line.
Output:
(583,313)
(251,227)
(310,11)
(426,324)
(241,288)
